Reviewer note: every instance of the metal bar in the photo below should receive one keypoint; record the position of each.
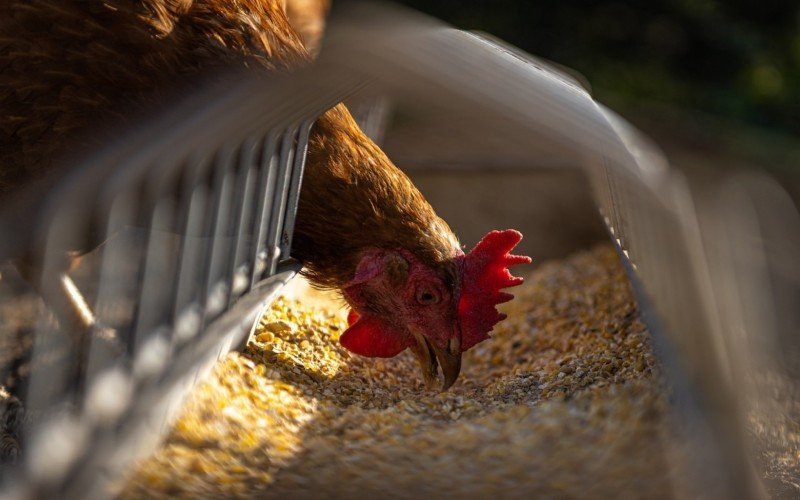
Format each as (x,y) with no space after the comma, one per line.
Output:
(268,174)
(239,269)
(186,310)
(285,163)
(295,183)
(215,288)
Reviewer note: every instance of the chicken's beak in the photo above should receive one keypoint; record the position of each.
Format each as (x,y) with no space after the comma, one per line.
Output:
(450,360)
(429,355)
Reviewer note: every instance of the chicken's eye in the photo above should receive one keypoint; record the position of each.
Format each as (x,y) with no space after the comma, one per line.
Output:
(427,297)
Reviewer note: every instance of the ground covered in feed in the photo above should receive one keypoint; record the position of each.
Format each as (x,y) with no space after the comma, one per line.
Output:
(564,400)
(775,426)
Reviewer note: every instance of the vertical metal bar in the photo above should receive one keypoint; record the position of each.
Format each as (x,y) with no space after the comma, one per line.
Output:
(268,172)
(239,268)
(215,288)
(114,305)
(168,209)
(56,372)
(614,212)
(152,310)
(285,165)
(186,311)
(293,197)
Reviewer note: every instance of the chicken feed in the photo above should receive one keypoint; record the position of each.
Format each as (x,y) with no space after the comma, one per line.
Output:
(566,400)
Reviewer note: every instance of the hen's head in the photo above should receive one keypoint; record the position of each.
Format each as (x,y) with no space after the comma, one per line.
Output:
(437,311)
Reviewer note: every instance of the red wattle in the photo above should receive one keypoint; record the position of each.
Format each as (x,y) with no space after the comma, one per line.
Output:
(352,317)
(372,337)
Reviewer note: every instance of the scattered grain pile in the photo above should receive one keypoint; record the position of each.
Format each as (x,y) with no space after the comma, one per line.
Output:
(774,422)
(564,401)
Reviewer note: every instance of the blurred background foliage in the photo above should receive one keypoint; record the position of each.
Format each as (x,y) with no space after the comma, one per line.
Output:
(735,61)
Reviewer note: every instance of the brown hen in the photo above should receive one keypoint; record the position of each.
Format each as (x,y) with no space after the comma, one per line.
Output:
(362,227)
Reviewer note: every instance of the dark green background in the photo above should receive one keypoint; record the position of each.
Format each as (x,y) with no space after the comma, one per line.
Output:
(734,60)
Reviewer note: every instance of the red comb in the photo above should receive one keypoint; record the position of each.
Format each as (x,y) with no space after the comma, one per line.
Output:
(484,273)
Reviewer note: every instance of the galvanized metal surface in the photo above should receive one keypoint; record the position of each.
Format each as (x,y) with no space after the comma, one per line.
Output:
(194,240)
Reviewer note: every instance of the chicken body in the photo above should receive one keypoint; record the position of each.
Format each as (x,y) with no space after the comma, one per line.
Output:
(71,69)
(68,66)
(368,203)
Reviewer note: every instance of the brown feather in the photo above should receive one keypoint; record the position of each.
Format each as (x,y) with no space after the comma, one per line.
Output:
(354,198)
(67,65)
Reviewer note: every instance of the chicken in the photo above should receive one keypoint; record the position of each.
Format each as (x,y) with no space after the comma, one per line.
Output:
(307,17)
(362,227)
(398,265)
